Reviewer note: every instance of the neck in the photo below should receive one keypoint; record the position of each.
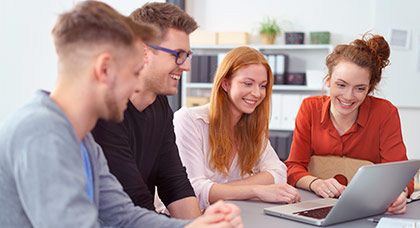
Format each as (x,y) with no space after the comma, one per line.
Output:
(343,123)
(143,99)
(74,101)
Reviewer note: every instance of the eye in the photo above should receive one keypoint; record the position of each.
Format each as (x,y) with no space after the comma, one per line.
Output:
(361,89)
(263,85)
(340,85)
(247,83)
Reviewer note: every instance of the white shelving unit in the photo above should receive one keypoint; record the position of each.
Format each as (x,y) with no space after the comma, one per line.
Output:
(301,59)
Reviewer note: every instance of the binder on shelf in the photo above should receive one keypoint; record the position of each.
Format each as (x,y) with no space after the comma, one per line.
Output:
(290,108)
(271,59)
(212,67)
(195,66)
(281,142)
(281,68)
(276,111)
(204,68)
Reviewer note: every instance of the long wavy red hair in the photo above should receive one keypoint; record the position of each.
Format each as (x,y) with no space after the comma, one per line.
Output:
(251,131)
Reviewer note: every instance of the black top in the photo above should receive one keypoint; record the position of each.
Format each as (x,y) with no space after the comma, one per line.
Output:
(142,154)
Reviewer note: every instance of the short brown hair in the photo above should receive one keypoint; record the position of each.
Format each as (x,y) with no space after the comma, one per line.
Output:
(92,22)
(370,52)
(164,16)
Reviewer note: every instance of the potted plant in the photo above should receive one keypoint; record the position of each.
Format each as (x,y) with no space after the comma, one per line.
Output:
(269,29)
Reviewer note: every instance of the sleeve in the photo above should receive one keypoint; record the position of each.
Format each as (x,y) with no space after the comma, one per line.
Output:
(391,146)
(115,142)
(50,180)
(300,151)
(270,162)
(172,181)
(191,147)
(117,210)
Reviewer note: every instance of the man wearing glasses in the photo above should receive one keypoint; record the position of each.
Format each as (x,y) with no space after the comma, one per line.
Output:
(141,151)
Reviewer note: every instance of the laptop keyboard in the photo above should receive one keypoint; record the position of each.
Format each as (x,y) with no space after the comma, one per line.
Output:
(318,213)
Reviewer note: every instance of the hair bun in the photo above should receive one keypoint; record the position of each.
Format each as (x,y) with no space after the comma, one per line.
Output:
(377,46)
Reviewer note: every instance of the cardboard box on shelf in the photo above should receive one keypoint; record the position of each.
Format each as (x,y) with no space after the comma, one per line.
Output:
(203,37)
(197,101)
(233,38)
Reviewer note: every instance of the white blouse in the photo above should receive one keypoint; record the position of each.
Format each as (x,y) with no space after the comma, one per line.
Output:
(192,138)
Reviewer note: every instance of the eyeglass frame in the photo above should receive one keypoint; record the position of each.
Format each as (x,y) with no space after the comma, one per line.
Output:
(176,53)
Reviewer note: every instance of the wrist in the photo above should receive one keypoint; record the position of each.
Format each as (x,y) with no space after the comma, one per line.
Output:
(311,183)
(407,193)
(256,191)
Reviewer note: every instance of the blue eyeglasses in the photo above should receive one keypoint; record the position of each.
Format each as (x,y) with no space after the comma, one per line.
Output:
(181,56)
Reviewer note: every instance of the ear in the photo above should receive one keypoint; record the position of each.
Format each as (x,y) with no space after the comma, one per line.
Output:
(225,85)
(103,67)
(146,54)
(328,80)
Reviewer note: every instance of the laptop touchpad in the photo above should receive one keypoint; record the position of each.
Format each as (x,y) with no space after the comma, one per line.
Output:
(305,205)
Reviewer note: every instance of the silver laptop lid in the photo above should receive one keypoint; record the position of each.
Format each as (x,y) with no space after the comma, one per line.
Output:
(372,190)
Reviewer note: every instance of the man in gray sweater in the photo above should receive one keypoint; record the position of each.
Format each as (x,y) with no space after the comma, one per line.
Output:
(52,173)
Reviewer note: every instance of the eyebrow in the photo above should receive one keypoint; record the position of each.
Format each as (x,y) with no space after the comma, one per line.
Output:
(254,80)
(348,83)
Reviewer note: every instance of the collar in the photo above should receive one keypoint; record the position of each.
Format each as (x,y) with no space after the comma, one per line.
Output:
(362,118)
(201,112)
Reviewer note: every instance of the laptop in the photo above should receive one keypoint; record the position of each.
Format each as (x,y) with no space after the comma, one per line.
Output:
(370,192)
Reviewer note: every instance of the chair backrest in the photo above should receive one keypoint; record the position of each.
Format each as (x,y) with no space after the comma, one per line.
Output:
(326,167)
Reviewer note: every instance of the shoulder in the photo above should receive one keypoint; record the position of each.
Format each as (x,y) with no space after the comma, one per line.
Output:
(194,113)
(381,103)
(315,103)
(315,100)
(39,116)
(380,106)
(38,125)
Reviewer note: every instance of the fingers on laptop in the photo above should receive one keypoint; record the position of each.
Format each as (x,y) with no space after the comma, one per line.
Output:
(329,188)
(399,205)
(292,193)
(281,192)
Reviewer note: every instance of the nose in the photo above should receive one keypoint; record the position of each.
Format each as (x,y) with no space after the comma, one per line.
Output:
(256,91)
(186,66)
(348,95)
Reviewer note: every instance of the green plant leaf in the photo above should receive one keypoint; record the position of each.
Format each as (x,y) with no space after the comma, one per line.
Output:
(269,26)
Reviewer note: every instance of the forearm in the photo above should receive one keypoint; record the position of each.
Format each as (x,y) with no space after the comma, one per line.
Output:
(177,208)
(231,192)
(260,178)
(305,181)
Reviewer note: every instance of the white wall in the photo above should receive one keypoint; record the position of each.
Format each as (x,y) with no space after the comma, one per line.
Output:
(346,20)
(27,57)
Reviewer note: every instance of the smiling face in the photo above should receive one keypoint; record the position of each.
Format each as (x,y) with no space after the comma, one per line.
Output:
(124,82)
(349,86)
(161,73)
(246,89)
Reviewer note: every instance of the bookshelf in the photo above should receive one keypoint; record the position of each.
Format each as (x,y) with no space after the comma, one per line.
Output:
(301,58)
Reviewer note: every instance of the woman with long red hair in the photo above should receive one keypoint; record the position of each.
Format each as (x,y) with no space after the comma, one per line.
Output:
(224,145)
